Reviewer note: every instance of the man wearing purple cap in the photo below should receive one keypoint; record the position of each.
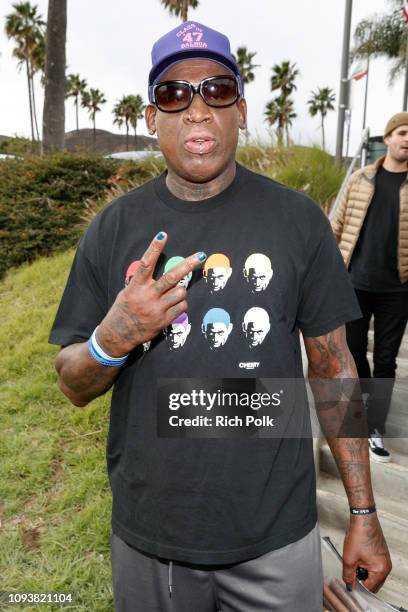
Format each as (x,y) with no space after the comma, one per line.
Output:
(222,518)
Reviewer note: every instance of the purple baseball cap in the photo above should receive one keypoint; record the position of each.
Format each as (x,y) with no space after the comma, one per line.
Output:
(191,40)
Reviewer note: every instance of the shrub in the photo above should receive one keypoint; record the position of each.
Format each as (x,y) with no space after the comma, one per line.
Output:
(43,200)
(19,146)
(311,171)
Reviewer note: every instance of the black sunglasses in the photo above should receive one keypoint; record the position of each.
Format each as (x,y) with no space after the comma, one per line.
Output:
(216,91)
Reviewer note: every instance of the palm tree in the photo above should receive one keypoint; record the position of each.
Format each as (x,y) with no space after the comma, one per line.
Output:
(75,86)
(383,36)
(283,78)
(280,110)
(55,78)
(180,7)
(121,117)
(26,27)
(36,64)
(321,102)
(137,108)
(128,111)
(92,100)
(246,68)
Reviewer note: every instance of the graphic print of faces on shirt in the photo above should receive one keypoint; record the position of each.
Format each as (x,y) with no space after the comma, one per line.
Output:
(171,263)
(258,272)
(217,270)
(176,333)
(255,326)
(130,272)
(216,327)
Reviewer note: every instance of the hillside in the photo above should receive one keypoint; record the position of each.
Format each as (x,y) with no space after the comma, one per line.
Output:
(105,142)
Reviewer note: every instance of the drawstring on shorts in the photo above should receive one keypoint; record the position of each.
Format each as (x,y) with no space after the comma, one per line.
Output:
(170,577)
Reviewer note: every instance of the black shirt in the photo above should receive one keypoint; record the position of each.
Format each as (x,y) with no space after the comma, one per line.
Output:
(374,263)
(273,268)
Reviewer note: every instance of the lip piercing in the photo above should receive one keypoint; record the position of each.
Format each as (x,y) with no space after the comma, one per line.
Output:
(201,149)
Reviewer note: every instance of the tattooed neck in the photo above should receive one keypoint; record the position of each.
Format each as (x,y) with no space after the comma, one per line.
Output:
(194,192)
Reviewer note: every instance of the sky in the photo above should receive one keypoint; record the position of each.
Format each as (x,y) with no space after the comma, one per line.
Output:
(109,44)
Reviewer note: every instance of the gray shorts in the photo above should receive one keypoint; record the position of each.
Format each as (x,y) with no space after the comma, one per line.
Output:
(286,580)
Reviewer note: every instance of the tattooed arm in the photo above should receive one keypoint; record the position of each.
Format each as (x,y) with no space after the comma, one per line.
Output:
(334,382)
(139,313)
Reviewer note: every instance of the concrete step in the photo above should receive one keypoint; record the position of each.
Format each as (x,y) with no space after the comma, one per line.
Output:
(395,589)
(399,445)
(397,424)
(402,366)
(393,514)
(390,480)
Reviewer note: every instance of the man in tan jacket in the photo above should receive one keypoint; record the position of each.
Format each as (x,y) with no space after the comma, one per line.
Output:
(371,227)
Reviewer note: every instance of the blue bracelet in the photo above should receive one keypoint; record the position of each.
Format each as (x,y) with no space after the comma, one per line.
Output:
(101,357)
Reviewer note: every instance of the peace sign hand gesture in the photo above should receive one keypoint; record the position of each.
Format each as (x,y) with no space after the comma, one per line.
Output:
(146,306)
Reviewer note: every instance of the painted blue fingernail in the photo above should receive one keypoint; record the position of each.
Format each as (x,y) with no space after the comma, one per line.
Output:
(201,256)
(160,236)
(349,587)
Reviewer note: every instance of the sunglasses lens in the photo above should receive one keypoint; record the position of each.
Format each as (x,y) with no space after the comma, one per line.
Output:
(172,96)
(222,91)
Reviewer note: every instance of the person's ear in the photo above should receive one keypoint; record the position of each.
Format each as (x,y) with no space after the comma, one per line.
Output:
(242,109)
(150,117)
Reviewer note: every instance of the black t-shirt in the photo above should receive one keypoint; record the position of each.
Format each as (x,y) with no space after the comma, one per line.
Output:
(273,268)
(374,263)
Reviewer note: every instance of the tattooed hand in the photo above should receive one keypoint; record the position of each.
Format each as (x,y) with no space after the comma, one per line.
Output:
(146,306)
(365,546)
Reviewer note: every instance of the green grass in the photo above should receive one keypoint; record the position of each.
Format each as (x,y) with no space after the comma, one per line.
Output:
(54,493)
